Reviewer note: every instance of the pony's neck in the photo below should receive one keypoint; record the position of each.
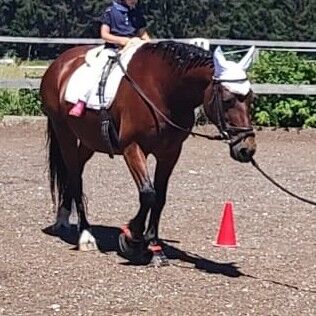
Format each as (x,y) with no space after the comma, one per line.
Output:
(187,69)
(190,86)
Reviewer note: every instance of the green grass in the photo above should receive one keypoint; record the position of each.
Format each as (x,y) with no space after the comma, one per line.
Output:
(36,62)
(11,72)
(22,71)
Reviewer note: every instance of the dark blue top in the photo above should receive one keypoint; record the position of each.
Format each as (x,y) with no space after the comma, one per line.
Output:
(122,20)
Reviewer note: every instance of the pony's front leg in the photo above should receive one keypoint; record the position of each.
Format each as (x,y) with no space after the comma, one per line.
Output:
(163,172)
(131,240)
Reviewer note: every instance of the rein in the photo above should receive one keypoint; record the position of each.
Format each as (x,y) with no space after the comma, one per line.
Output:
(255,164)
(244,132)
(226,132)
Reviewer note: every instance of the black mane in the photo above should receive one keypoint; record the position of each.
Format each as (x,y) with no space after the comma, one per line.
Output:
(183,56)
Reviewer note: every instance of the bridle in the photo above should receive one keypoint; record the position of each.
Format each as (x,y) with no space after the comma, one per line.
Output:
(232,134)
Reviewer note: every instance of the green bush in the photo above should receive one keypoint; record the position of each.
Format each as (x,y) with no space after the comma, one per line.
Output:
(284,111)
(283,67)
(280,111)
(19,102)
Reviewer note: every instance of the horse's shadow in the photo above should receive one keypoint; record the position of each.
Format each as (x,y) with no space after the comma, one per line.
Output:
(107,238)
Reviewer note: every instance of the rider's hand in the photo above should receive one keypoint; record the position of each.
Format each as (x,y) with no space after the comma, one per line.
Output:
(124,41)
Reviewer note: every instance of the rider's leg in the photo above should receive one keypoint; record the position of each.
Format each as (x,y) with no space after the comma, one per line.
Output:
(93,73)
(78,109)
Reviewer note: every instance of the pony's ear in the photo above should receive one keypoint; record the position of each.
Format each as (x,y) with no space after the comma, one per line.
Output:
(247,59)
(219,60)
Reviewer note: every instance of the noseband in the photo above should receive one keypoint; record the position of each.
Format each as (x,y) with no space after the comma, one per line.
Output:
(232,134)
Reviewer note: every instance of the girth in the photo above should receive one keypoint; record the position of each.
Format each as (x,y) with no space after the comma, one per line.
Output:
(108,129)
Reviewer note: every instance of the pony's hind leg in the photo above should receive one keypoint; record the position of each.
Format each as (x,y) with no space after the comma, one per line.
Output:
(86,241)
(63,214)
(67,160)
(131,240)
(58,179)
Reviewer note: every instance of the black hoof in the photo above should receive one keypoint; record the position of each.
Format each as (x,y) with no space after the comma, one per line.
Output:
(133,251)
(128,246)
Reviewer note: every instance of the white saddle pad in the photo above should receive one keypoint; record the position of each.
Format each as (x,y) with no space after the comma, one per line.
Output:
(84,82)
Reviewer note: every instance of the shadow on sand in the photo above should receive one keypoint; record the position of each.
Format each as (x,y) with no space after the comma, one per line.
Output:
(107,240)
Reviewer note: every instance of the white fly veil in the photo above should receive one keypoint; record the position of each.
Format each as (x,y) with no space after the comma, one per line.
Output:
(234,73)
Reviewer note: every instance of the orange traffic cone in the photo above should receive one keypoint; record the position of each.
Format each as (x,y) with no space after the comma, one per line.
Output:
(226,236)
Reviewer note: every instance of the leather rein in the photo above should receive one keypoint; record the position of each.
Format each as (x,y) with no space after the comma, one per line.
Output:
(232,135)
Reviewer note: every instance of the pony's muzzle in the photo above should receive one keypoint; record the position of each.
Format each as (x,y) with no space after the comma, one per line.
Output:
(244,150)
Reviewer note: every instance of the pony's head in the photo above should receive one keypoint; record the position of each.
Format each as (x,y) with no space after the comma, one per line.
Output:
(228,104)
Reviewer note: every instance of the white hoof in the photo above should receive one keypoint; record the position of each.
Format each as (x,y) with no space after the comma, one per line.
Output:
(87,242)
(62,219)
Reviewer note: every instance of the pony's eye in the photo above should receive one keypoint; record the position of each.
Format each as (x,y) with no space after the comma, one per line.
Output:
(242,98)
(228,103)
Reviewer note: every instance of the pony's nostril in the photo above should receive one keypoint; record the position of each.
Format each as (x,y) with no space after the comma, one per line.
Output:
(246,154)
(252,152)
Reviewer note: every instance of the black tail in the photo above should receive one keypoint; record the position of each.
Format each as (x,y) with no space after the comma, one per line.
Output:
(57,168)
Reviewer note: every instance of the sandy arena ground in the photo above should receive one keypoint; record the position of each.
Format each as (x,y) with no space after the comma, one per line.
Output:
(272,272)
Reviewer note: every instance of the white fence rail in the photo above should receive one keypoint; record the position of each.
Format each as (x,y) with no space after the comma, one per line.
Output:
(265,88)
(288,89)
(213,41)
(20,83)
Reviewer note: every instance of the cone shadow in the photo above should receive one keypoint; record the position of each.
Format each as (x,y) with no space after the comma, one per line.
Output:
(227,269)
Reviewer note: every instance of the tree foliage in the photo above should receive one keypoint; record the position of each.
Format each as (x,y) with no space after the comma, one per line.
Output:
(289,20)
